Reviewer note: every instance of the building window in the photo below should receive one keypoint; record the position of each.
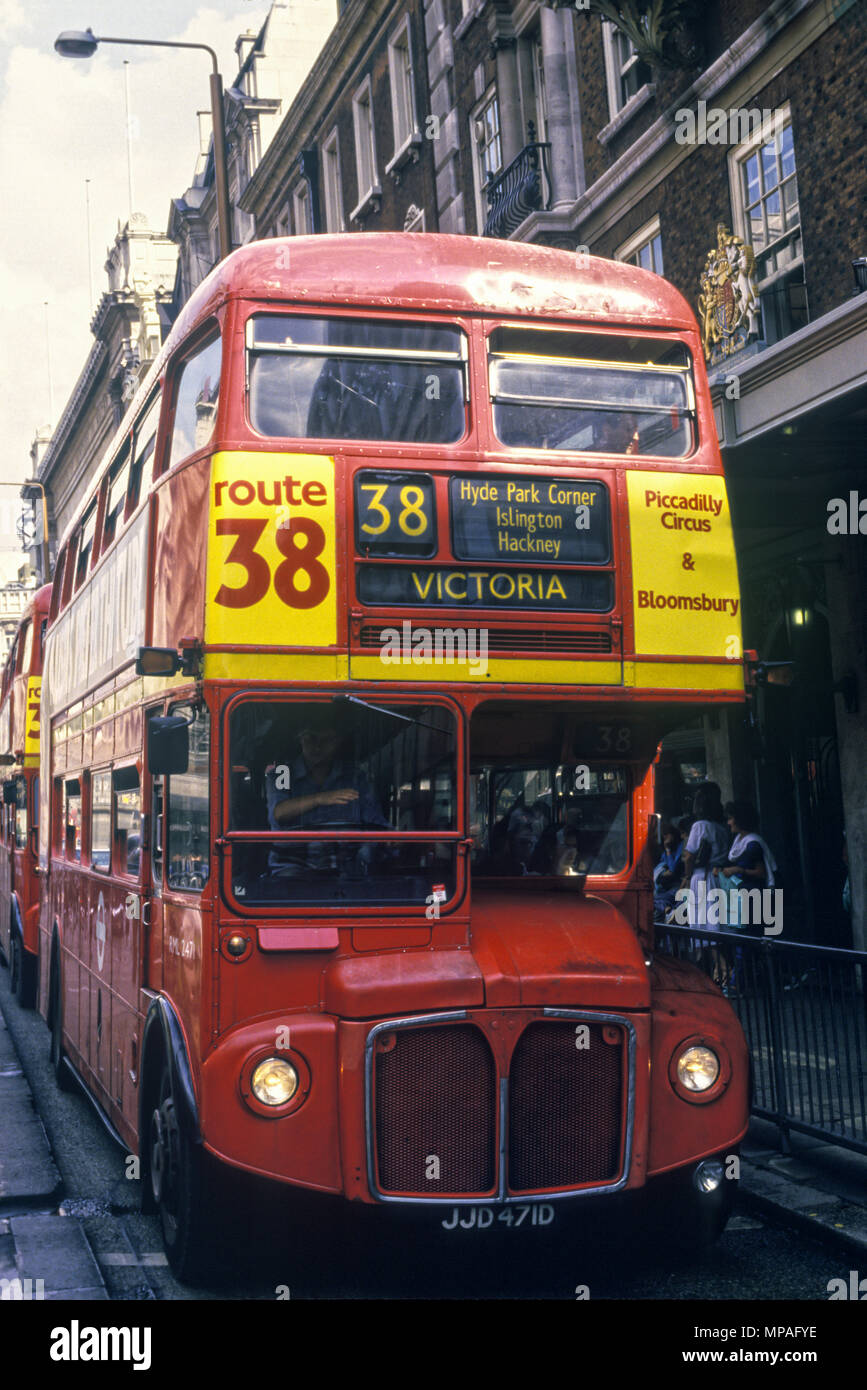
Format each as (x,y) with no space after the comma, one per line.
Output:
(625,73)
(301,209)
(414,220)
(402,93)
(283,224)
(765,203)
(644,249)
(331,184)
(487,150)
(365,146)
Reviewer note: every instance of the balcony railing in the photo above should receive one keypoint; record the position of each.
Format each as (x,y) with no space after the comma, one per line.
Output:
(523,187)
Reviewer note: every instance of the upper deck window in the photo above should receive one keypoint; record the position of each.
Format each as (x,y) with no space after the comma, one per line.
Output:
(591,393)
(142,469)
(118,484)
(336,378)
(85,546)
(196,403)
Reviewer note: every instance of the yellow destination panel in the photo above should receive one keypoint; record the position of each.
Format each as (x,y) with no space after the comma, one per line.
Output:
(31,727)
(684,575)
(271,551)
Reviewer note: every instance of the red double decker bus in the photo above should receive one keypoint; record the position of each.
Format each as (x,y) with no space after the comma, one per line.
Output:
(408,552)
(19,814)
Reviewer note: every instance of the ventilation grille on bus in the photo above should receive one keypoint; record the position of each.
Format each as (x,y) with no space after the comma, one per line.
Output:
(520,639)
(565,1106)
(436,1096)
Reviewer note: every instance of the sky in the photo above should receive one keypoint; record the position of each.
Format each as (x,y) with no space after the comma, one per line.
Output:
(63,121)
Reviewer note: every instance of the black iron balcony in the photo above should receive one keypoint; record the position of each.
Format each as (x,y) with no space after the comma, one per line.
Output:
(523,187)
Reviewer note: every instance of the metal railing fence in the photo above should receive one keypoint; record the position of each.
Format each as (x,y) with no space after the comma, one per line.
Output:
(804,1012)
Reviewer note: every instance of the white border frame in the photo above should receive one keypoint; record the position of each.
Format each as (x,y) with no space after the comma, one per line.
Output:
(782,116)
(332,140)
(366,196)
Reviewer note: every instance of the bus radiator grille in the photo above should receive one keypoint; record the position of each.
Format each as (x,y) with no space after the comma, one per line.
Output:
(565,1106)
(436,1118)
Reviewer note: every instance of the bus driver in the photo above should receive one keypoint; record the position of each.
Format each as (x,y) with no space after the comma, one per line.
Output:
(323,789)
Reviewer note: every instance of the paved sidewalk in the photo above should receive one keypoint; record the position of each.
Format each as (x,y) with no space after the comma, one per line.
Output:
(819,1188)
(42,1254)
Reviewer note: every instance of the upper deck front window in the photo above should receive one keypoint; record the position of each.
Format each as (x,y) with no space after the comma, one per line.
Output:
(591,393)
(336,378)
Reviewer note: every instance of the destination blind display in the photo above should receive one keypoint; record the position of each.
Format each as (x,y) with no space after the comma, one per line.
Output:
(547,520)
(454,587)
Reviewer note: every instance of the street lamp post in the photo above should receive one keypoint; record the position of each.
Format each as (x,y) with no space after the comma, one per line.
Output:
(73,43)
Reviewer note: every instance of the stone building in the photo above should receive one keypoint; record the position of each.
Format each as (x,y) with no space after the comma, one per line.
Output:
(272,64)
(128,327)
(718,147)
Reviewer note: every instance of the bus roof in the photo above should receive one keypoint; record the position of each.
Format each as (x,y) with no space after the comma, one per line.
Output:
(451,274)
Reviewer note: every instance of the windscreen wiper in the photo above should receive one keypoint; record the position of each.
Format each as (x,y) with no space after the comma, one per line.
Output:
(393,714)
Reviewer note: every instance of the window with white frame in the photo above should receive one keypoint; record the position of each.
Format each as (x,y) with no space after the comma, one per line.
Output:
(331,185)
(767,214)
(414,220)
(487,149)
(365,145)
(625,72)
(644,249)
(402,91)
(301,209)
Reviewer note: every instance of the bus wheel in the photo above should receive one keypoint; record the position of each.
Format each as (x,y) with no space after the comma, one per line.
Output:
(693,1220)
(23,974)
(55,1023)
(15,962)
(180,1188)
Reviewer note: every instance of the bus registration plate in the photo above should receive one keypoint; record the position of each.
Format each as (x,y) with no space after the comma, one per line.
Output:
(492,1218)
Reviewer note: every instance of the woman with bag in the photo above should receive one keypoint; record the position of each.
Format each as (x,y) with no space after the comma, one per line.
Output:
(750,863)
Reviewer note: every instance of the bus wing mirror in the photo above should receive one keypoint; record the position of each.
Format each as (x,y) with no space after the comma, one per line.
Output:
(10,793)
(168,745)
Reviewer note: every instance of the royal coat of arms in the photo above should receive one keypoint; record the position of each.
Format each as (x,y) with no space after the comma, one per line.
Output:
(728,306)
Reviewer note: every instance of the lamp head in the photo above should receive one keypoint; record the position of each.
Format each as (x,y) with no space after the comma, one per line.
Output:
(75,43)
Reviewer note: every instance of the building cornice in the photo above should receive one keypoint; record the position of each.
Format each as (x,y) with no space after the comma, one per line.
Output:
(823,352)
(69,418)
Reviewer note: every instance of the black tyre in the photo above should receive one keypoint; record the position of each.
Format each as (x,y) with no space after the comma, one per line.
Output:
(691,1222)
(55,1023)
(24,974)
(15,962)
(181,1189)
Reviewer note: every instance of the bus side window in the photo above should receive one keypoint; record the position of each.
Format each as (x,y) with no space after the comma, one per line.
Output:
(100,821)
(35,815)
(27,649)
(188,806)
(118,483)
(142,470)
(72,821)
(85,546)
(20,813)
(127,821)
(196,399)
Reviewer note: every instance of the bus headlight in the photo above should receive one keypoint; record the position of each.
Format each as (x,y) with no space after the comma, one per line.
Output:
(274,1081)
(697,1068)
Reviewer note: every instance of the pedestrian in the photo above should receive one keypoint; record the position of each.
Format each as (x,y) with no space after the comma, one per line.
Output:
(750,863)
(706,849)
(668,872)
